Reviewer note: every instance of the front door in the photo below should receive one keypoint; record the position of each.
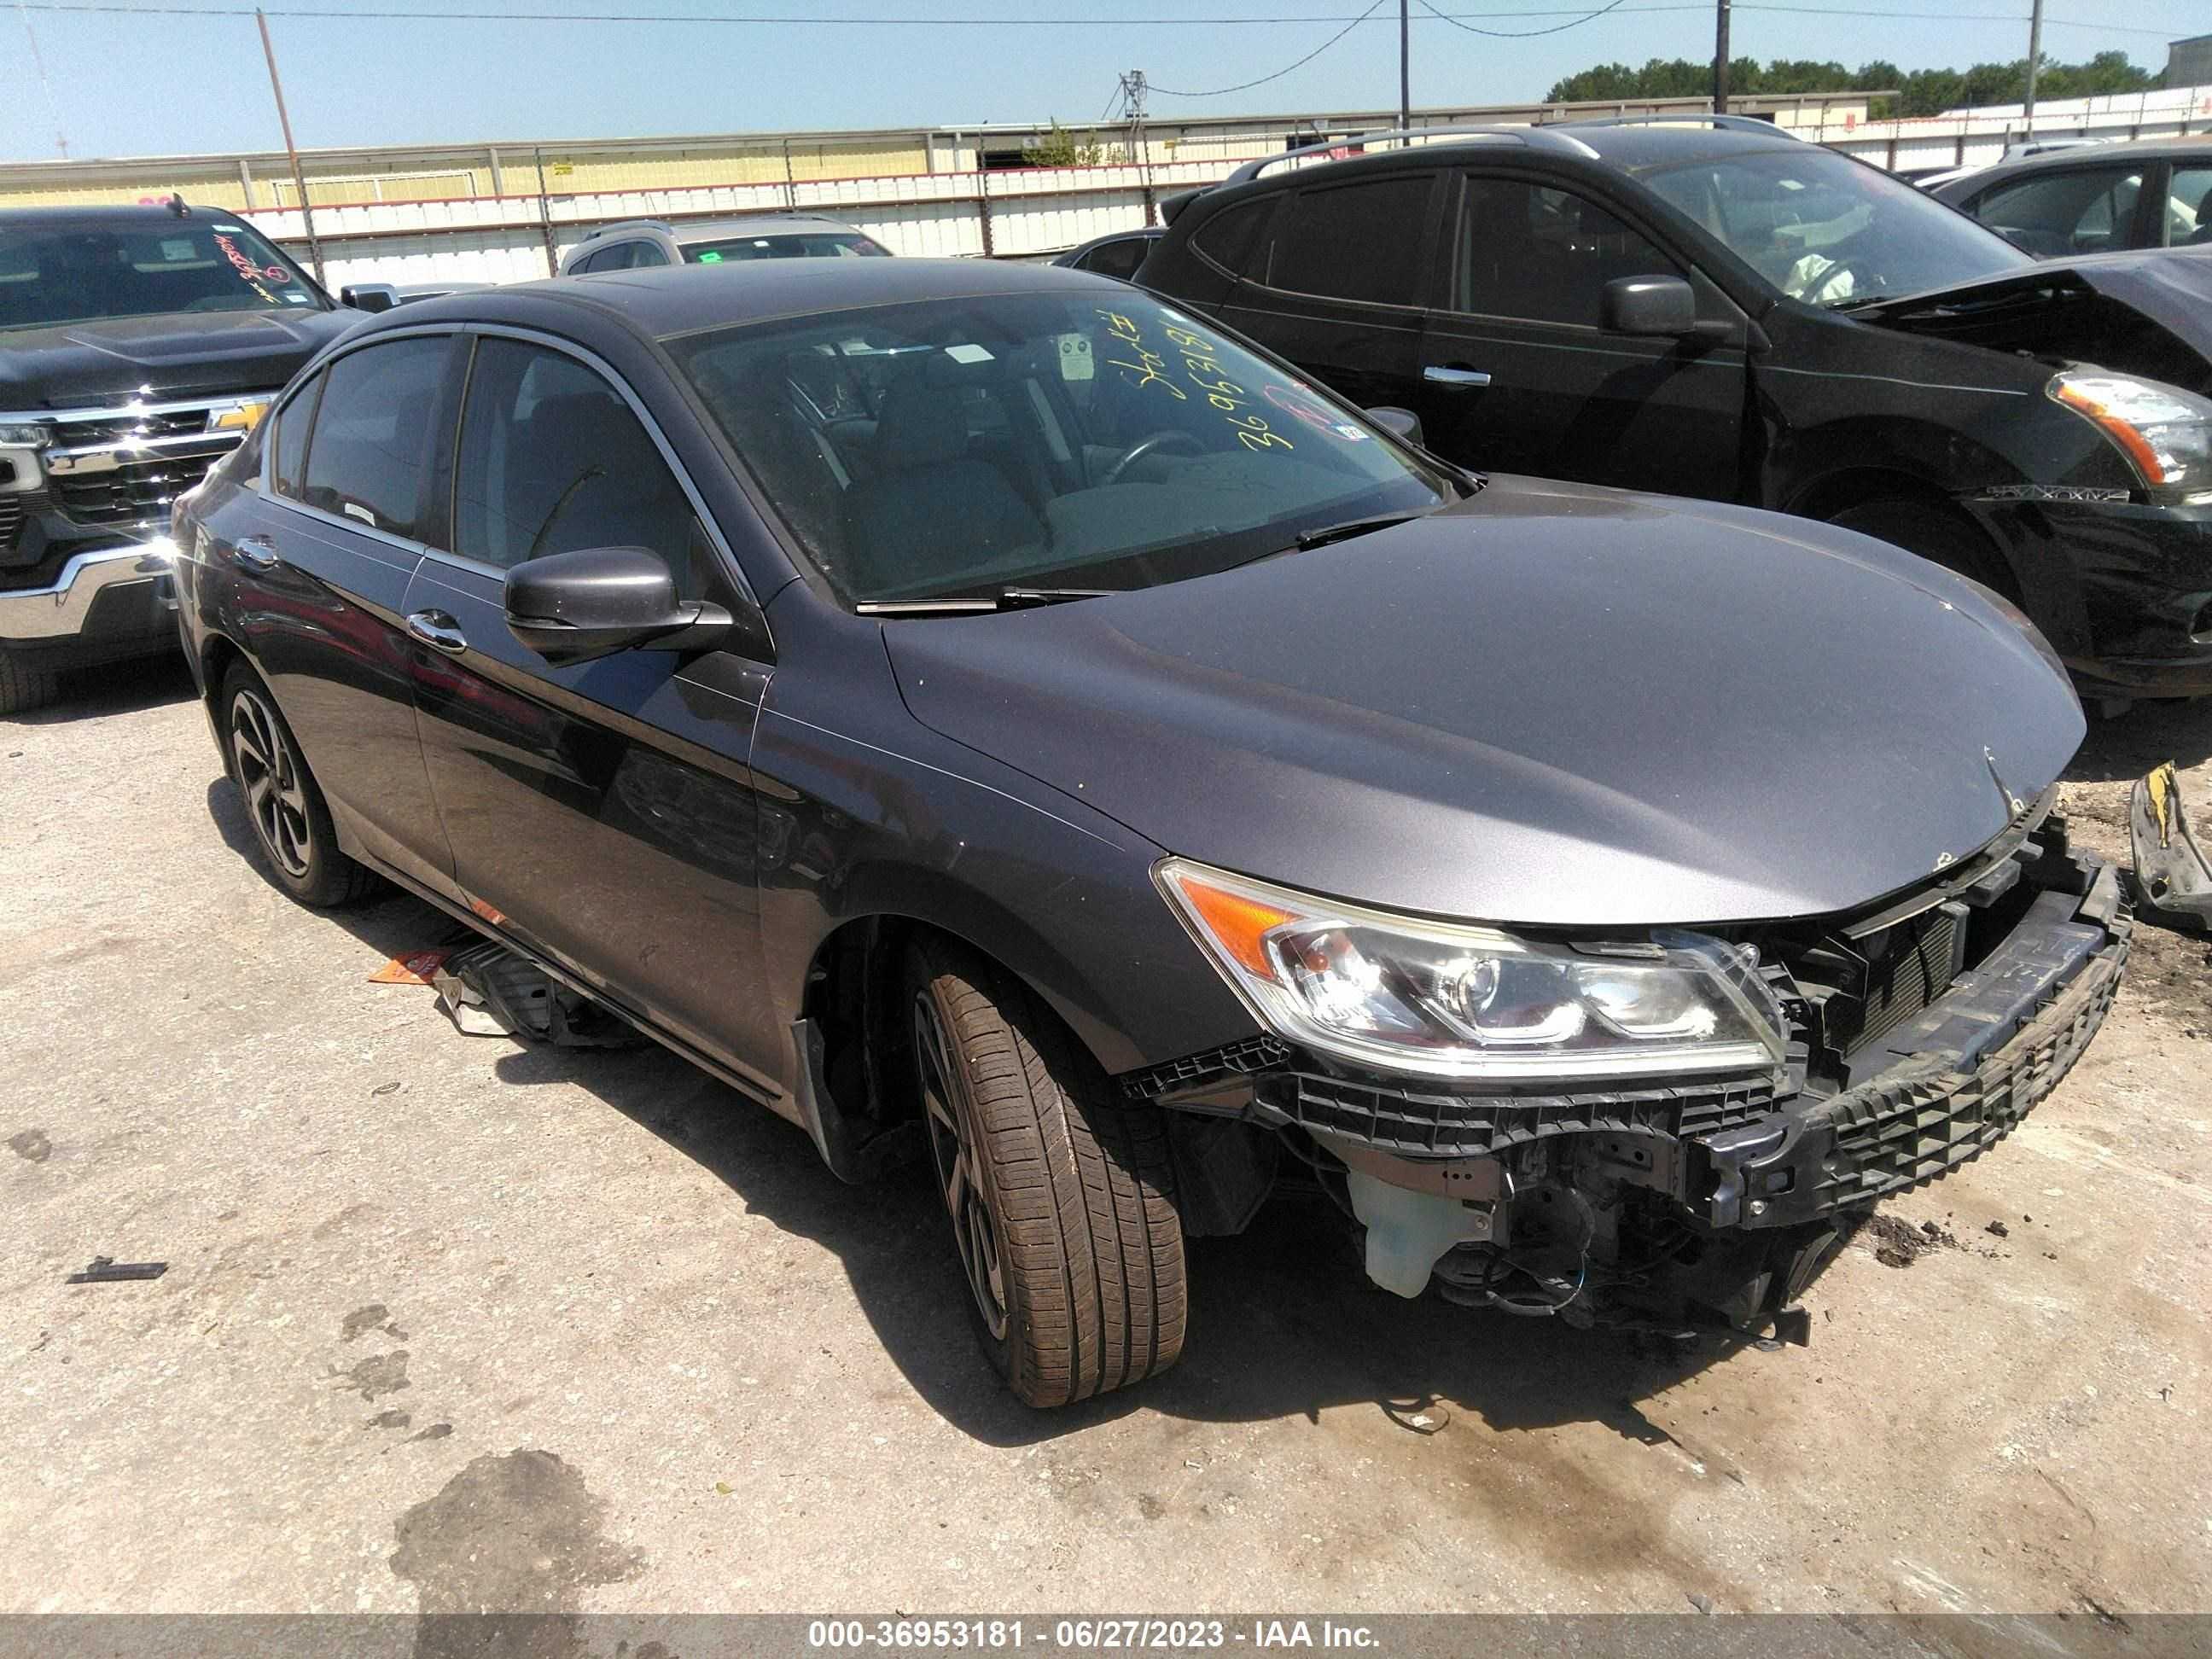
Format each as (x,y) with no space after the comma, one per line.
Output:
(601,814)
(323,559)
(1519,373)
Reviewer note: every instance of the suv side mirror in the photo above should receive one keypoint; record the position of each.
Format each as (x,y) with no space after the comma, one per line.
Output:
(1402,422)
(1648,304)
(369,297)
(575,607)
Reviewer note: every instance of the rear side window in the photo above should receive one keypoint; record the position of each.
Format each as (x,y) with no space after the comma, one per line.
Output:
(289,456)
(1226,239)
(643,254)
(2079,210)
(1356,241)
(370,447)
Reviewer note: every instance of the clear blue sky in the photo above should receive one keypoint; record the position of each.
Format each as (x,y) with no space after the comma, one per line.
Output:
(133,81)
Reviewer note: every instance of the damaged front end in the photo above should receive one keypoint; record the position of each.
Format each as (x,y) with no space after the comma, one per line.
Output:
(1908,1037)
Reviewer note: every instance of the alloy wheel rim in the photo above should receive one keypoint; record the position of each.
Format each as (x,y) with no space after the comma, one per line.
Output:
(273,781)
(959,1180)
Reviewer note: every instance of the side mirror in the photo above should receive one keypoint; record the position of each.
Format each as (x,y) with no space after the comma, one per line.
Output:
(369,297)
(1648,304)
(1401,422)
(575,607)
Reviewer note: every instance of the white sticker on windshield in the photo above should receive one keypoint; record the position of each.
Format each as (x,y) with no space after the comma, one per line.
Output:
(232,229)
(968,354)
(180,248)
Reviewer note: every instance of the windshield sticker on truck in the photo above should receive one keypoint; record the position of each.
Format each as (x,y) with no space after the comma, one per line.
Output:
(252,275)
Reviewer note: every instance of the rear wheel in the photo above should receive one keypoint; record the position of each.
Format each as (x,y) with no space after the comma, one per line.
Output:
(290,819)
(1937,534)
(1061,1197)
(24,687)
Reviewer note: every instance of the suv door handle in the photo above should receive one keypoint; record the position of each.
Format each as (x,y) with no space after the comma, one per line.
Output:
(438,630)
(1434,374)
(256,552)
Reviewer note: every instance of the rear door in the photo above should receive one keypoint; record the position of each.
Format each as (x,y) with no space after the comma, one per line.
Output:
(1519,373)
(602,814)
(1337,282)
(322,565)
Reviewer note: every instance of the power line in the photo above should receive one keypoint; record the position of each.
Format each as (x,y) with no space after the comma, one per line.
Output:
(1526,34)
(327,14)
(1223,92)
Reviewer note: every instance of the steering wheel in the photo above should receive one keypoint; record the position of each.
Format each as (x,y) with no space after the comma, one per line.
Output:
(1828,278)
(1143,446)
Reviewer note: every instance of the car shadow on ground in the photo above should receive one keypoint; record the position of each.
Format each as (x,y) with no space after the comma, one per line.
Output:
(121,688)
(2130,744)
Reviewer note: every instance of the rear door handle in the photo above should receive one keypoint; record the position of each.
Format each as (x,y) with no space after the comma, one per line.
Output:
(1434,374)
(256,552)
(438,630)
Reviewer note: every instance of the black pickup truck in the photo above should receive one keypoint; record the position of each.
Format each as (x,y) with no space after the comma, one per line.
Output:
(138,346)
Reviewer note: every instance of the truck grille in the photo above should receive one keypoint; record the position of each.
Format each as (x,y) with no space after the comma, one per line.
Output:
(142,487)
(11,519)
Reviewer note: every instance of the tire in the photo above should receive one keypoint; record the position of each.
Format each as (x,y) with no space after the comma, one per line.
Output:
(291,822)
(1937,534)
(1061,1197)
(23,687)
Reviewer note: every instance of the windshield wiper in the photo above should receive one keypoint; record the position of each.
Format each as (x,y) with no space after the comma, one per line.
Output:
(1322,535)
(1007,598)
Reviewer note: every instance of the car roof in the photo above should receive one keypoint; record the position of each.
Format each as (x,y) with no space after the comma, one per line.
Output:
(149,213)
(666,300)
(759,224)
(2101,155)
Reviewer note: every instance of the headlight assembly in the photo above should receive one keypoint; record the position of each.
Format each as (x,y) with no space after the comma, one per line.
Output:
(1401,994)
(2165,433)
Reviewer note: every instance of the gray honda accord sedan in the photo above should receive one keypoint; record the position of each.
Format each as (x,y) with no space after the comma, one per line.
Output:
(998,721)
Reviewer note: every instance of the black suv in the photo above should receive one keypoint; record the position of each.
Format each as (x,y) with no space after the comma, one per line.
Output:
(138,346)
(1718,310)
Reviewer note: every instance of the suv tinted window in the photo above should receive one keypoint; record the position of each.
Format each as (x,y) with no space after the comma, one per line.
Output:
(1226,239)
(1355,241)
(2078,211)
(643,254)
(372,435)
(552,459)
(290,453)
(1528,251)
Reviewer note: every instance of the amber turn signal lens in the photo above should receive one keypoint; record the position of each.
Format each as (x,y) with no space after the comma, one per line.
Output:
(1236,922)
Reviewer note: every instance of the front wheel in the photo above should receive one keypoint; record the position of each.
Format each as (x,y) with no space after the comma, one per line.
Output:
(24,686)
(1061,1197)
(290,818)
(1937,534)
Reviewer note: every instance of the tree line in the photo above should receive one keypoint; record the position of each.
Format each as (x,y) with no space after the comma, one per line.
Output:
(1922,92)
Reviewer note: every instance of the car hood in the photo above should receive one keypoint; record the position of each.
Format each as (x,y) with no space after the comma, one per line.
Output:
(182,354)
(2146,313)
(1549,705)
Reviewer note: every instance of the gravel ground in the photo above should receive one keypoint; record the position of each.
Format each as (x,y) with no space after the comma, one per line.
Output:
(451,1323)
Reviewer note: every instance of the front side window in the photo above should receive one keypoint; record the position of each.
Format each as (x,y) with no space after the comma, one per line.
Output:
(2076,210)
(784,244)
(369,452)
(2188,208)
(1528,251)
(1830,231)
(553,459)
(71,273)
(953,447)
(1359,241)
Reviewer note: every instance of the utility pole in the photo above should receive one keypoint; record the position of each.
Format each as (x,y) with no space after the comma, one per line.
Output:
(1721,58)
(299,180)
(1405,69)
(1133,88)
(39,64)
(2034,56)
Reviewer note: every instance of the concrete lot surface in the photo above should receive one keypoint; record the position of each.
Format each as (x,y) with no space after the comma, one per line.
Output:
(451,1323)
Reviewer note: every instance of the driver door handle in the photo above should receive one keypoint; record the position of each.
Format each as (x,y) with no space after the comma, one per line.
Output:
(256,553)
(1437,375)
(438,630)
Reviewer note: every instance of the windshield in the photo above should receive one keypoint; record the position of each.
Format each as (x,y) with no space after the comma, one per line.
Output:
(1826,230)
(1095,438)
(66,273)
(808,244)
